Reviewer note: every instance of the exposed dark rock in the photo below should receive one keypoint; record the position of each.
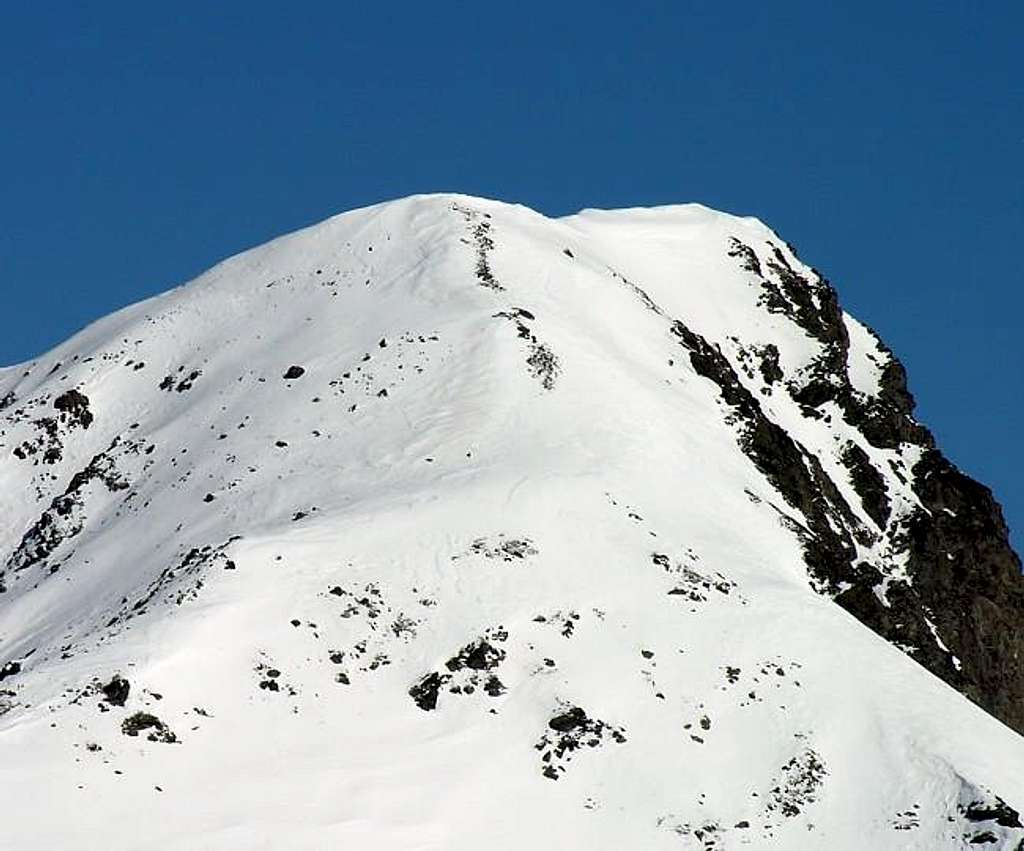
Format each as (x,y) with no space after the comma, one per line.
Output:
(798,786)
(637,291)
(960,608)
(746,254)
(893,383)
(813,306)
(887,419)
(794,472)
(294,372)
(116,691)
(965,590)
(494,687)
(822,320)
(484,244)
(467,671)
(184,384)
(424,693)
(999,812)
(73,413)
(506,549)
(65,518)
(769,367)
(690,583)
(181,580)
(570,720)
(568,731)
(869,484)
(10,669)
(904,621)
(479,656)
(543,364)
(969,578)
(75,406)
(884,425)
(141,721)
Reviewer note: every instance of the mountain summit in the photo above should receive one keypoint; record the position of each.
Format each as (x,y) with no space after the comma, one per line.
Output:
(446,525)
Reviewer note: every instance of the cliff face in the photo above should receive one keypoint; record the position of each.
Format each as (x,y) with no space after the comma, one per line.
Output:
(959,607)
(960,610)
(442,504)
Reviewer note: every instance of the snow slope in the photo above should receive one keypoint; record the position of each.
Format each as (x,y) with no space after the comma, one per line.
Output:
(493,566)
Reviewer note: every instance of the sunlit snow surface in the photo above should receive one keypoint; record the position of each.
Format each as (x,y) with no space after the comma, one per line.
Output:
(492,572)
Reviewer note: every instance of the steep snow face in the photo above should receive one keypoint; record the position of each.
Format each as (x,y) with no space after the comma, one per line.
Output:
(442,524)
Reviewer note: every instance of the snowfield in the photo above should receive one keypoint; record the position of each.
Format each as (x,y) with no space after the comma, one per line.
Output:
(427,527)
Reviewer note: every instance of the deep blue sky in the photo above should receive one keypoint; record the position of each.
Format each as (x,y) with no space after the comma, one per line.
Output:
(884,140)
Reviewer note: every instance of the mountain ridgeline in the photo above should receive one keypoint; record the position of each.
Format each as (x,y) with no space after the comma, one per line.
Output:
(443,524)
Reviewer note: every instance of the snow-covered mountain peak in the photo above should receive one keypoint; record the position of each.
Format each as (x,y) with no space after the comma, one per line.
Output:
(442,504)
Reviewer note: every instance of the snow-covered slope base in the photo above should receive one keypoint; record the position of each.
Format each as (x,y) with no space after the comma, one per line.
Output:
(444,525)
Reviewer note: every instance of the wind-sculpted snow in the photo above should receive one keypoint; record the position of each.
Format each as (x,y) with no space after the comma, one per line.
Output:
(445,525)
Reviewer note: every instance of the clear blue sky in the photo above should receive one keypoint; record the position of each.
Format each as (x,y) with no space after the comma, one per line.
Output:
(142,142)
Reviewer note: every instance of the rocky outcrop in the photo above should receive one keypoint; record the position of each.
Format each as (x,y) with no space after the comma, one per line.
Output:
(796,474)
(967,575)
(959,608)
(65,517)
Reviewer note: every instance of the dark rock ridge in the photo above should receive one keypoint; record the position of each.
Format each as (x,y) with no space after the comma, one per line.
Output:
(64,518)
(869,484)
(965,590)
(793,471)
(958,610)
